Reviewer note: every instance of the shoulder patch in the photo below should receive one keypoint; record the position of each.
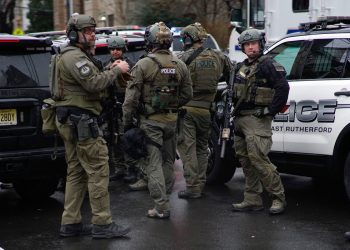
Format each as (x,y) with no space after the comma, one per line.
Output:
(278,67)
(84,68)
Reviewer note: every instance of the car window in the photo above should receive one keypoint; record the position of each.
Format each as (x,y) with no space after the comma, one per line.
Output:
(326,59)
(286,55)
(23,68)
(347,66)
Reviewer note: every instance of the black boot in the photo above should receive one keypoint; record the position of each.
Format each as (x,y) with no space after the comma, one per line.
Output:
(131,174)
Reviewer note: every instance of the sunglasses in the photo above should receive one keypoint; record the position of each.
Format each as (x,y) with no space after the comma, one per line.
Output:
(89,30)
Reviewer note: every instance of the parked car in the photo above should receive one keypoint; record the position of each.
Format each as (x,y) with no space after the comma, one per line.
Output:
(33,162)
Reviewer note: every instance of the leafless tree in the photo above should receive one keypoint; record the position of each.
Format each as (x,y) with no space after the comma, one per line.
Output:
(6,15)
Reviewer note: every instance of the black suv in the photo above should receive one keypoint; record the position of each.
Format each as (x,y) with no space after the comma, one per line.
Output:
(33,162)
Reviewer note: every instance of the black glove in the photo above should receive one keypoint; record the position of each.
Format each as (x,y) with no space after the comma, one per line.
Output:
(261,112)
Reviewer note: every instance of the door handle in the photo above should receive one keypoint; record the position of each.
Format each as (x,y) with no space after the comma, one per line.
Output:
(345,92)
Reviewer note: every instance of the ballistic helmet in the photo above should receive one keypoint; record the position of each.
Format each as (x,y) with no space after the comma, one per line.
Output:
(76,23)
(158,35)
(116,42)
(250,35)
(195,32)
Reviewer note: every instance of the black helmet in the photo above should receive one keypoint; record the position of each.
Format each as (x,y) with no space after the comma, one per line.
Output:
(134,143)
(158,35)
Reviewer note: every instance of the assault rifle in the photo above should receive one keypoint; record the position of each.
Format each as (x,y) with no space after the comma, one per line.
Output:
(225,129)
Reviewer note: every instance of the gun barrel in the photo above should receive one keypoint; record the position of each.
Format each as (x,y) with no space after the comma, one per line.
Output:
(223,148)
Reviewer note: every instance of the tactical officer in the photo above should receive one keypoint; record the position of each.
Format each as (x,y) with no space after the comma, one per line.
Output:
(260,92)
(124,166)
(161,84)
(79,86)
(206,67)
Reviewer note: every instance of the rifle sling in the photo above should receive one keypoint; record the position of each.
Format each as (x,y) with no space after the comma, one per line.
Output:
(194,55)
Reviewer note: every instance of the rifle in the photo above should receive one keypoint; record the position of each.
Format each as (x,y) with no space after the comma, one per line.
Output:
(225,130)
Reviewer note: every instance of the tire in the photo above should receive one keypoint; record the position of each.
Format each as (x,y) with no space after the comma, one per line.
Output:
(347,176)
(220,170)
(36,189)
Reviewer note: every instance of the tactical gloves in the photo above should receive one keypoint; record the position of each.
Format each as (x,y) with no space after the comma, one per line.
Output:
(261,112)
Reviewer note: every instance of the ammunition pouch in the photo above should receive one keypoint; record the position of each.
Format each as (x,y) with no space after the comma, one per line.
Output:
(84,127)
(260,96)
(48,114)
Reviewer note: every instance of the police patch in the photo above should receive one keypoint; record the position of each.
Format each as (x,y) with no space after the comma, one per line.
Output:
(168,71)
(278,67)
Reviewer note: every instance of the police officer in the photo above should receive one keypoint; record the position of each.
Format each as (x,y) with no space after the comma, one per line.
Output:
(124,166)
(206,67)
(81,82)
(161,84)
(260,92)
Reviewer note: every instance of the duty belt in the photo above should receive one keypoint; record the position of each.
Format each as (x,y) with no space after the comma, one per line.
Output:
(199,104)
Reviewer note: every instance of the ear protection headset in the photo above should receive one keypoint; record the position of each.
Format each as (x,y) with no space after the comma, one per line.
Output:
(73,34)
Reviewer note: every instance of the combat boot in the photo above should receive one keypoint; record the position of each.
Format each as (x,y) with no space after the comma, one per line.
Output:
(277,206)
(139,185)
(185,194)
(154,213)
(245,207)
(118,174)
(109,231)
(347,235)
(131,175)
(70,230)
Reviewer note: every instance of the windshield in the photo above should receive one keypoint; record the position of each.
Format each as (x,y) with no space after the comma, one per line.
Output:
(20,68)
(255,15)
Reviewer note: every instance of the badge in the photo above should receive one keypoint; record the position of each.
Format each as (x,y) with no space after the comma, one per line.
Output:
(85,70)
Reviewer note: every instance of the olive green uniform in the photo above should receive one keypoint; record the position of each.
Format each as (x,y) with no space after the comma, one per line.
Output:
(157,119)
(206,69)
(258,85)
(81,87)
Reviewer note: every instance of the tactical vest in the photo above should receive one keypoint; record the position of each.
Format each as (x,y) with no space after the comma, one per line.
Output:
(250,88)
(205,73)
(162,92)
(61,89)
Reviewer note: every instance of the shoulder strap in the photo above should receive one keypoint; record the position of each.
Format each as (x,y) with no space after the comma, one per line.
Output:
(194,55)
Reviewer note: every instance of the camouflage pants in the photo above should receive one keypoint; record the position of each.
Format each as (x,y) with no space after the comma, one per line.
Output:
(252,145)
(87,170)
(193,148)
(159,165)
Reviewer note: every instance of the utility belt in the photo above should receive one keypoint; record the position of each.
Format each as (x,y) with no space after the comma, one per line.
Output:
(247,112)
(83,123)
(199,104)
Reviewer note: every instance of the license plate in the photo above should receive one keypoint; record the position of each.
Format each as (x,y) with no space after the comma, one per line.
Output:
(8,117)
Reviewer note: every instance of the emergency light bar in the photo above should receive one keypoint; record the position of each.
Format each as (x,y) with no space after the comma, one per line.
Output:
(323,22)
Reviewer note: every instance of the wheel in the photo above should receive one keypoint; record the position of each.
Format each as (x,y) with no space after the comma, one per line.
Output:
(220,170)
(347,176)
(36,189)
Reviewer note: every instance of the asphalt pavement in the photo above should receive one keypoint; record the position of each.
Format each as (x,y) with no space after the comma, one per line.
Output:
(316,218)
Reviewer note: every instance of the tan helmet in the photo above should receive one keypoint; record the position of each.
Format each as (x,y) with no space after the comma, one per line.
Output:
(76,23)
(158,35)
(193,33)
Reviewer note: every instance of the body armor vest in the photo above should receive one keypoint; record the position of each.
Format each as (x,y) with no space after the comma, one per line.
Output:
(61,88)
(205,73)
(162,92)
(251,89)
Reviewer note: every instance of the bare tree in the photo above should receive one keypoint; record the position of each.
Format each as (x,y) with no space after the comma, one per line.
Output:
(6,15)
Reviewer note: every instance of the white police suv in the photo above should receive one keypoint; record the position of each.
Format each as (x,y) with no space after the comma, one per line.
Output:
(311,136)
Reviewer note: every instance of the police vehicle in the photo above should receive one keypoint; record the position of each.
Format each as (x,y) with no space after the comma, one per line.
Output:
(311,135)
